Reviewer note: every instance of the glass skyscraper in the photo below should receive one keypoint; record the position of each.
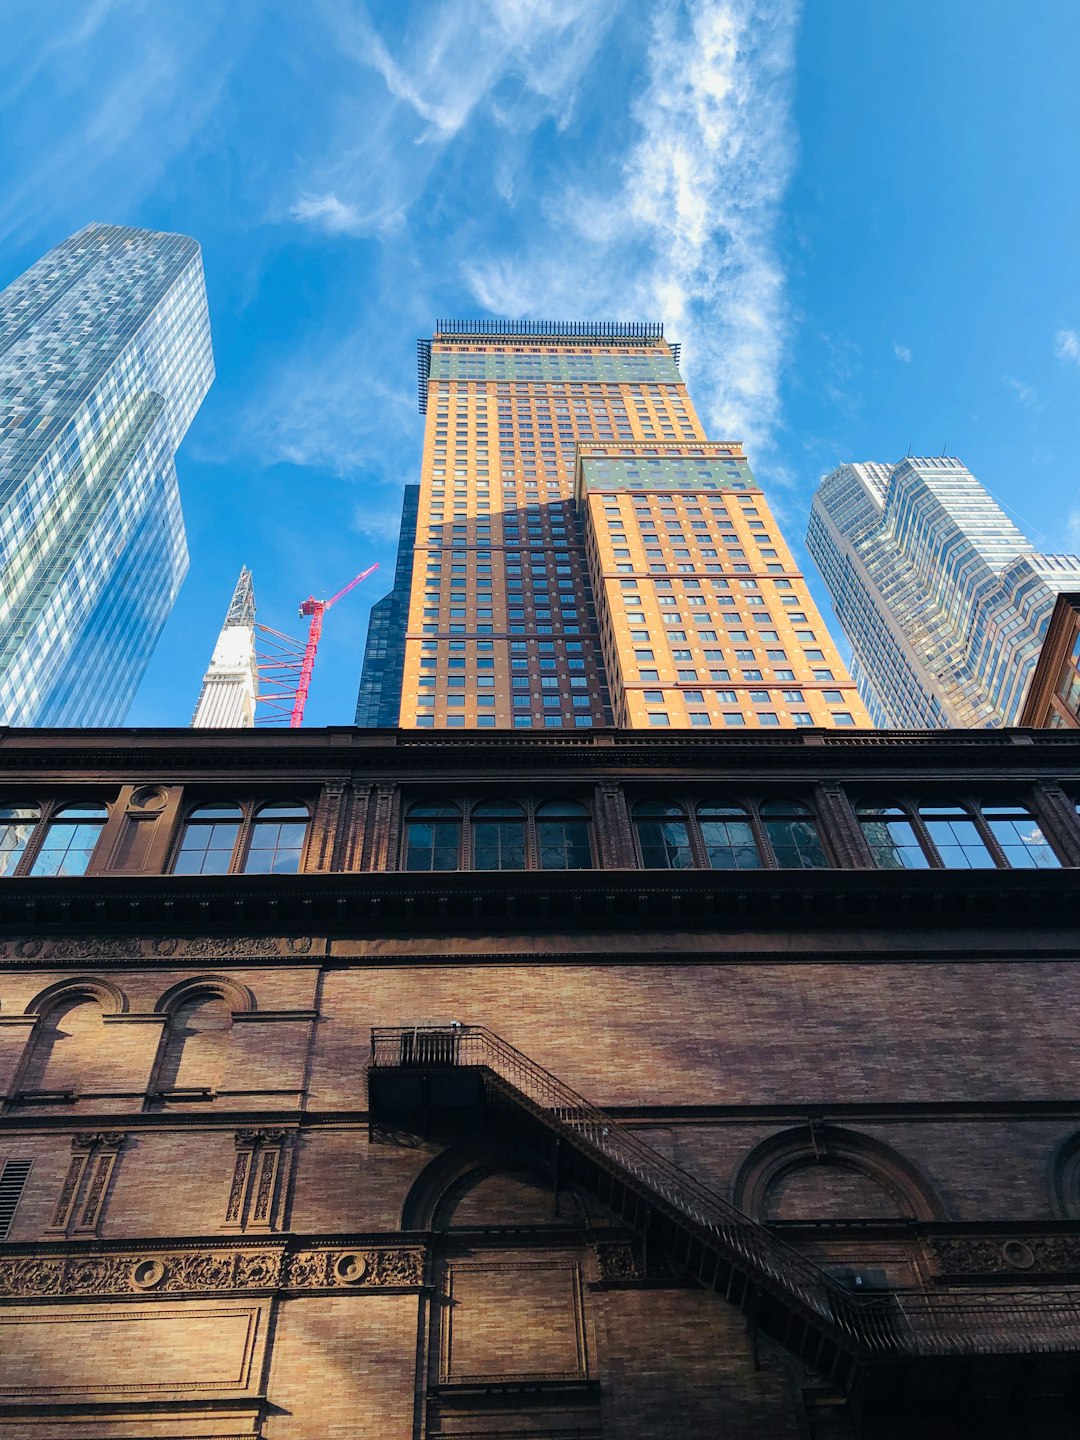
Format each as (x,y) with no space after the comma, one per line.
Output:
(105,356)
(944,600)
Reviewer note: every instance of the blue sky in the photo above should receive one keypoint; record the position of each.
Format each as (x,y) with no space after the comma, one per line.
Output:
(861,220)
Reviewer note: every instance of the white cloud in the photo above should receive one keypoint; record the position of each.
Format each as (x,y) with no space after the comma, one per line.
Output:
(902,352)
(687,232)
(1026,394)
(1067,345)
(336,218)
(1072,532)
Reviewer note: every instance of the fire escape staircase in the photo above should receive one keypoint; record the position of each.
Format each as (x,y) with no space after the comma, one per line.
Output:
(419,1075)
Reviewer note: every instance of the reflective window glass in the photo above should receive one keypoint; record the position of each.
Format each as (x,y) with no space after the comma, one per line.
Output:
(729,837)
(891,838)
(433,837)
(793,835)
(956,837)
(562,836)
(1017,832)
(70,840)
(498,837)
(16,826)
(663,837)
(208,841)
(277,840)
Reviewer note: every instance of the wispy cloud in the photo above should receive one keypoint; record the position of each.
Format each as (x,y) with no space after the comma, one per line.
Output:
(686,230)
(1024,393)
(335,217)
(902,352)
(1067,345)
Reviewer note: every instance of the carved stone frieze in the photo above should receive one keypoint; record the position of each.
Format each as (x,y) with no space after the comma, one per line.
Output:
(246,947)
(31,1276)
(36,1277)
(995,1256)
(618,1261)
(353,1269)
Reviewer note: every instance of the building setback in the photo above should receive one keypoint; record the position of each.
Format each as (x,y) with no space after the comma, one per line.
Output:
(944,600)
(104,358)
(739,1098)
(583,556)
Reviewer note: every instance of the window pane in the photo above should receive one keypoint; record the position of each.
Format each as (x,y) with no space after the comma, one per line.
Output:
(892,840)
(275,847)
(796,844)
(665,844)
(957,838)
(730,844)
(564,844)
(432,844)
(1017,832)
(499,845)
(207,848)
(16,826)
(70,841)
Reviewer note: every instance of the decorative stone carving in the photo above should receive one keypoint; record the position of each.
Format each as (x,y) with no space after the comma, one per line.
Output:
(994,1256)
(197,1272)
(248,947)
(326,1269)
(618,1261)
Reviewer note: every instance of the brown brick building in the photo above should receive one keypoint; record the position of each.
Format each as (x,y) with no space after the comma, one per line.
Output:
(723,1086)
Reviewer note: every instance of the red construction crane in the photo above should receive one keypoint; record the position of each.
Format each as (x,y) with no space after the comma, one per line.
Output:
(285,669)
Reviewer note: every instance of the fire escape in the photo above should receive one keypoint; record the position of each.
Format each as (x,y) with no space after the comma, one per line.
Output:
(872,1347)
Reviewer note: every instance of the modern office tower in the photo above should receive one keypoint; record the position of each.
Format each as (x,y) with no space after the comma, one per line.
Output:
(231,683)
(104,358)
(379,701)
(944,600)
(583,556)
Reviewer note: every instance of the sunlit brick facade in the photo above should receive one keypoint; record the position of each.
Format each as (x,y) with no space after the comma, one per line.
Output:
(583,556)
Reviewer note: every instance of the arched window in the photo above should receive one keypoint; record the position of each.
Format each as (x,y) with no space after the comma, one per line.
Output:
(498,836)
(16,826)
(433,837)
(562,835)
(728,837)
(956,837)
(892,838)
(793,834)
(663,836)
(1022,842)
(277,840)
(71,1047)
(209,840)
(70,840)
(196,1043)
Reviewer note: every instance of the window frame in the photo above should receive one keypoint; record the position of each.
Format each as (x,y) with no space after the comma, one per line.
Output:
(49,810)
(529,806)
(250,809)
(913,806)
(750,805)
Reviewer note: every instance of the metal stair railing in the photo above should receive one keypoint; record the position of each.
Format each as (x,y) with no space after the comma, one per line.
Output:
(894,1324)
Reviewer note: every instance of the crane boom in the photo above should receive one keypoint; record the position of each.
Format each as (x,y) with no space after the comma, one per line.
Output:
(315,610)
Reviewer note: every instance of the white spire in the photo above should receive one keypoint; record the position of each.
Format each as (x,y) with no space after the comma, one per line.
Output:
(229,687)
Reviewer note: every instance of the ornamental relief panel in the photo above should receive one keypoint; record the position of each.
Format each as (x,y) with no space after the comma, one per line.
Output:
(247,947)
(32,1277)
(997,1256)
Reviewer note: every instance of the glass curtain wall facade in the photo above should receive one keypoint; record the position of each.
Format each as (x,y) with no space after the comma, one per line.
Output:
(583,555)
(105,356)
(943,598)
(379,701)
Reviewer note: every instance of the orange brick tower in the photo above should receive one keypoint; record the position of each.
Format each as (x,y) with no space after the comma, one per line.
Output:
(584,556)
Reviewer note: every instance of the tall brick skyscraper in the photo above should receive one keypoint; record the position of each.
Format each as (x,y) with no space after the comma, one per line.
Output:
(584,556)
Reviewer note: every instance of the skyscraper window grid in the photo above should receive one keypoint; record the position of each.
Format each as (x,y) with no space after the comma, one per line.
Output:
(944,599)
(104,357)
(515,554)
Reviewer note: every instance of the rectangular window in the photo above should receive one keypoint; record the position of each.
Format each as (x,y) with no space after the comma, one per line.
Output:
(13,1176)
